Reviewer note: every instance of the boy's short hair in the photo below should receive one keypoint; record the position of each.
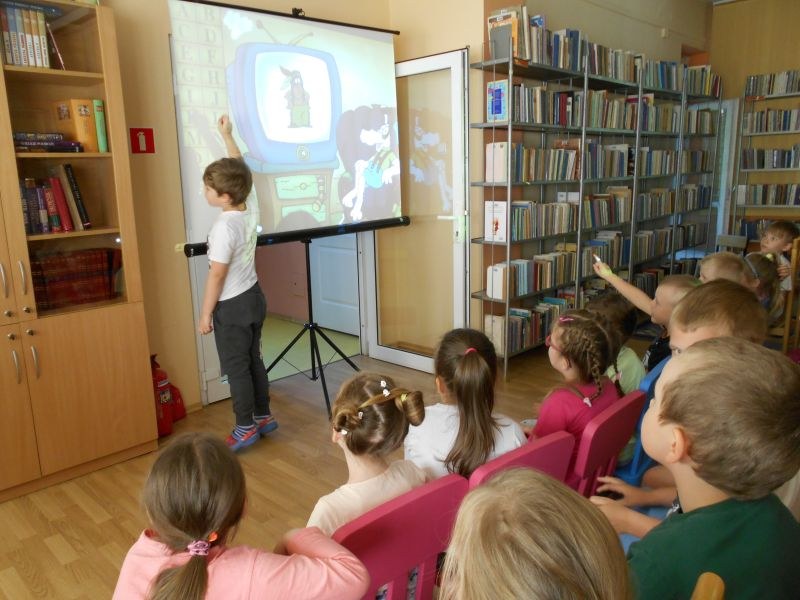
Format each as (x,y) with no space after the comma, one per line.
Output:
(739,405)
(680,285)
(618,310)
(723,304)
(726,265)
(785,229)
(229,176)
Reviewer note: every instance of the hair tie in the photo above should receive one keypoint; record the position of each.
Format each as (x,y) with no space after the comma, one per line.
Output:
(198,548)
(360,415)
(565,319)
(343,431)
(403,397)
(469,350)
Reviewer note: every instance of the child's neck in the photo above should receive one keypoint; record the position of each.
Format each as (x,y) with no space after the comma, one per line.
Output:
(572,376)
(363,467)
(693,492)
(237,208)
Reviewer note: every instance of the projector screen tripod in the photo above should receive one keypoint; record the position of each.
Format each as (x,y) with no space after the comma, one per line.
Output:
(313,330)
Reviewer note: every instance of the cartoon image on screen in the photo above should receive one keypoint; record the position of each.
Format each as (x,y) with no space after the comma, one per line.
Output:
(287,85)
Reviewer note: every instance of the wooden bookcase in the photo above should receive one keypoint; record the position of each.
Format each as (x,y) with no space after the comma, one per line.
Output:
(75,379)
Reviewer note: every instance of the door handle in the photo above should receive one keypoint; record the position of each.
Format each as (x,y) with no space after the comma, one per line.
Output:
(35,356)
(5,281)
(15,358)
(24,277)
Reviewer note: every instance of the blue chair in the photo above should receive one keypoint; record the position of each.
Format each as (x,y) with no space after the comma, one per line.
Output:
(633,471)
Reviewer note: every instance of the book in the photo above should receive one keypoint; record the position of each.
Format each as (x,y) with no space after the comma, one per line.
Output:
(496,162)
(495,220)
(61,204)
(37,209)
(53,218)
(502,34)
(20,28)
(60,174)
(56,58)
(497,100)
(29,44)
(76,195)
(8,55)
(98,108)
(75,119)
(42,31)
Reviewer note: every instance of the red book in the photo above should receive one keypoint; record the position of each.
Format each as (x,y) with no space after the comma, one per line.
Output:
(52,210)
(61,204)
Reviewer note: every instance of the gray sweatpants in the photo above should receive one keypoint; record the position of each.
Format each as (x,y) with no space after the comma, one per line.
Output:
(237,332)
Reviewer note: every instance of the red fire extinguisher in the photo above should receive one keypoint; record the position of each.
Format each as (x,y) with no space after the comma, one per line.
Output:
(163,397)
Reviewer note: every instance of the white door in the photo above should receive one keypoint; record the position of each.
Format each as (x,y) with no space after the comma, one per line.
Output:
(334,282)
(416,276)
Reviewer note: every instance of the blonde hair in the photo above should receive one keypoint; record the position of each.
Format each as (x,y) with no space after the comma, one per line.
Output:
(466,364)
(591,345)
(374,414)
(525,535)
(726,265)
(739,405)
(785,229)
(763,269)
(195,491)
(725,305)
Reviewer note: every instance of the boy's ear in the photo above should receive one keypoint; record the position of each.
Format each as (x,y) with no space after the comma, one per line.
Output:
(679,447)
(786,247)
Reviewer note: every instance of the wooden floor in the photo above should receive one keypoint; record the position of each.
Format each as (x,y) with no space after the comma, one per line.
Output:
(69,540)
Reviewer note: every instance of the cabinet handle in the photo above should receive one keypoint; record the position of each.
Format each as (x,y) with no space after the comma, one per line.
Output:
(35,356)
(24,277)
(5,282)
(16,365)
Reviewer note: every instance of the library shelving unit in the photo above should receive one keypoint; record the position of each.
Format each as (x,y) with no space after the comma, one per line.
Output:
(75,377)
(767,172)
(609,204)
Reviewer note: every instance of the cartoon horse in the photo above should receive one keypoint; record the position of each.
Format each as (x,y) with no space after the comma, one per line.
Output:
(296,99)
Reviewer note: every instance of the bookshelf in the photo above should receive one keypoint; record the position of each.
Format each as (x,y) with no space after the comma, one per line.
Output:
(767,172)
(640,191)
(75,373)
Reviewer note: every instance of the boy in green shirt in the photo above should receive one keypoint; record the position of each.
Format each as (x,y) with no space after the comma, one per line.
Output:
(725,421)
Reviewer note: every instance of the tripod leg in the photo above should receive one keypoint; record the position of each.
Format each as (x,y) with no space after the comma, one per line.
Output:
(336,348)
(285,350)
(315,352)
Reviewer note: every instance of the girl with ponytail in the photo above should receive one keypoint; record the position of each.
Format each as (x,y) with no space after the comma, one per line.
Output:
(370,418)
(194,498)
(462,432)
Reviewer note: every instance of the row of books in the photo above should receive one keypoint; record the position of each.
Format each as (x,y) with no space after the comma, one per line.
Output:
(79,126)
(526,276)
(536,105)
(511,29)
(530,164)
(783,82)
(769,194)
(54,204)
(525,327)
(771,121)
(75,277)
(27,38)
(771,158)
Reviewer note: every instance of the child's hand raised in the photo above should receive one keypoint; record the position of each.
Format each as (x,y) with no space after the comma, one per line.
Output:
(601,268)
(224,125)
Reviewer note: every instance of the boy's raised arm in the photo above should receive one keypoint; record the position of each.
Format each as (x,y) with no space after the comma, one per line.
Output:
(633,294)
(225,128)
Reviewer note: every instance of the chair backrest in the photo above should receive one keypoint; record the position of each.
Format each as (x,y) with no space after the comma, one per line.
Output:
(709,586)
(550,454)
(633,471)
(734,243)
(603,439)
(406,532)
(791,332)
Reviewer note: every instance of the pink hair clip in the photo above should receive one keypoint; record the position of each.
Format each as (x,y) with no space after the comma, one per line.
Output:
(468,350)
(565,319)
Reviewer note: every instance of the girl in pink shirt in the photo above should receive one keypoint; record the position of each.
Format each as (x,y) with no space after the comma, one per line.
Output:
(581,346)
(195,497)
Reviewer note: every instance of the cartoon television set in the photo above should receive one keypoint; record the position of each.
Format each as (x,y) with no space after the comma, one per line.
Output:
(286,102)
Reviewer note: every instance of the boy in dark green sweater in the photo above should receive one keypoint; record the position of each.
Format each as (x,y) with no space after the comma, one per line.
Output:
(725,421)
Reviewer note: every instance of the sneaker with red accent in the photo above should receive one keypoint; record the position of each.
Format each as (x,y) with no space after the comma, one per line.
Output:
(235,443)
(266,425)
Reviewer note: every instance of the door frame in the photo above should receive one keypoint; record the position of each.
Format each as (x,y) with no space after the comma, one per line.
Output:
(457,62)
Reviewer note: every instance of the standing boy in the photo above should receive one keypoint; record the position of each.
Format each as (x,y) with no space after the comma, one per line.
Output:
(725,421)
(234,306)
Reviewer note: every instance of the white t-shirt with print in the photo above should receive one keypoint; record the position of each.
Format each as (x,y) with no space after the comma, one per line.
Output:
(232,241)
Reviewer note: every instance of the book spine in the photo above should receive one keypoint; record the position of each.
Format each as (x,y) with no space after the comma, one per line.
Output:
(50,11)
(12,34)
(57,58)
(26,24)
(61,204)
(52,210)
(23,48)
(8,55)
(60,173)
(29,193)
(49,137)
(76,194)
(26,219)
(41,202)
(42,30)
(37,41)
(99,110)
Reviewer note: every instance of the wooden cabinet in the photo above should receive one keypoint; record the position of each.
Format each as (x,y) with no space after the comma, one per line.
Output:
(75,373)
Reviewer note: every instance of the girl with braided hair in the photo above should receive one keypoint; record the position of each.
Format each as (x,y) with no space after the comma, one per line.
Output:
(370,418)
(194,498)
(581,347)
